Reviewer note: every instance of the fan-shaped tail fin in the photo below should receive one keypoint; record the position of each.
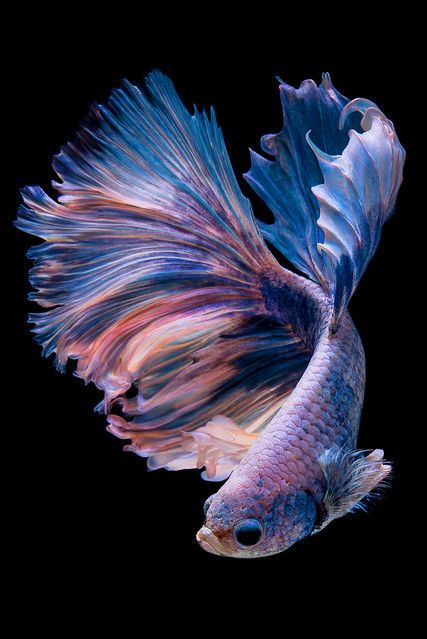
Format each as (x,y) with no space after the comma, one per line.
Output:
(151,275)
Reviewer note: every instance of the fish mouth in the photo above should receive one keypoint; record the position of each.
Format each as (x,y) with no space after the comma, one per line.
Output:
(210,542)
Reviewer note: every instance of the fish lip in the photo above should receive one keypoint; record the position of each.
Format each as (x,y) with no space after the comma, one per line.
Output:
(210,542)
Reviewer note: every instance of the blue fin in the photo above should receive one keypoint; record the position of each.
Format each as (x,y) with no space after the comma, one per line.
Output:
(328,231)
(150,276)
(357,197)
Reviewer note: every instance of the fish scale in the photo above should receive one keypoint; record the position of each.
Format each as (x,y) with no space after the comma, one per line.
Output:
(323,411)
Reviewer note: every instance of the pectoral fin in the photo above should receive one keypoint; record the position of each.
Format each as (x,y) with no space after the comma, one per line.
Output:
(350,479)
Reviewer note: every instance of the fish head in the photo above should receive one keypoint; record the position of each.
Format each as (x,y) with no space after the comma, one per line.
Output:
(244,522)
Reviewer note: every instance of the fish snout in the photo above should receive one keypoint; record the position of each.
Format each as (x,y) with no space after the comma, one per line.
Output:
(209,541)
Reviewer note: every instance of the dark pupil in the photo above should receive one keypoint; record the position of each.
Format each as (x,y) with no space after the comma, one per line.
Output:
(248,534)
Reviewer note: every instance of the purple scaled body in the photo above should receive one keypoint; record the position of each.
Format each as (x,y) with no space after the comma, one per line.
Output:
(282,467)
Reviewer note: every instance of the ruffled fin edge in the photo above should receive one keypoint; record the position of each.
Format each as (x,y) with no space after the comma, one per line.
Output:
(329,198)
(357,197)
(150,277)
(218,447)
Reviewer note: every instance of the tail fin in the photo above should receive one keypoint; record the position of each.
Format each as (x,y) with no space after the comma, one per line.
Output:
(151,276)
(328,230)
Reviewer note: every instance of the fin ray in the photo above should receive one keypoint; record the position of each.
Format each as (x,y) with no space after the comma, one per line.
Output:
(330,186)
(351,478)
(150,275)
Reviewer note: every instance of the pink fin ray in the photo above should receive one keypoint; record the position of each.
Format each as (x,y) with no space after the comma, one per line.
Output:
(151,275)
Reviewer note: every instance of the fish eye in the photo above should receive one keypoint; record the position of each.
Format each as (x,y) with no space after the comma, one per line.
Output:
(247,532)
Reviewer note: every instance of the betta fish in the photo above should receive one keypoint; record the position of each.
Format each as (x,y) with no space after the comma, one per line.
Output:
(156,276)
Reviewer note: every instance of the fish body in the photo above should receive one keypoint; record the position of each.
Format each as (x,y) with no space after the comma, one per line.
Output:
(155,276)
(281,474)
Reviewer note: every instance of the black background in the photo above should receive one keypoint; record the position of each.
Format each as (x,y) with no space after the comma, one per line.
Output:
(88,513)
